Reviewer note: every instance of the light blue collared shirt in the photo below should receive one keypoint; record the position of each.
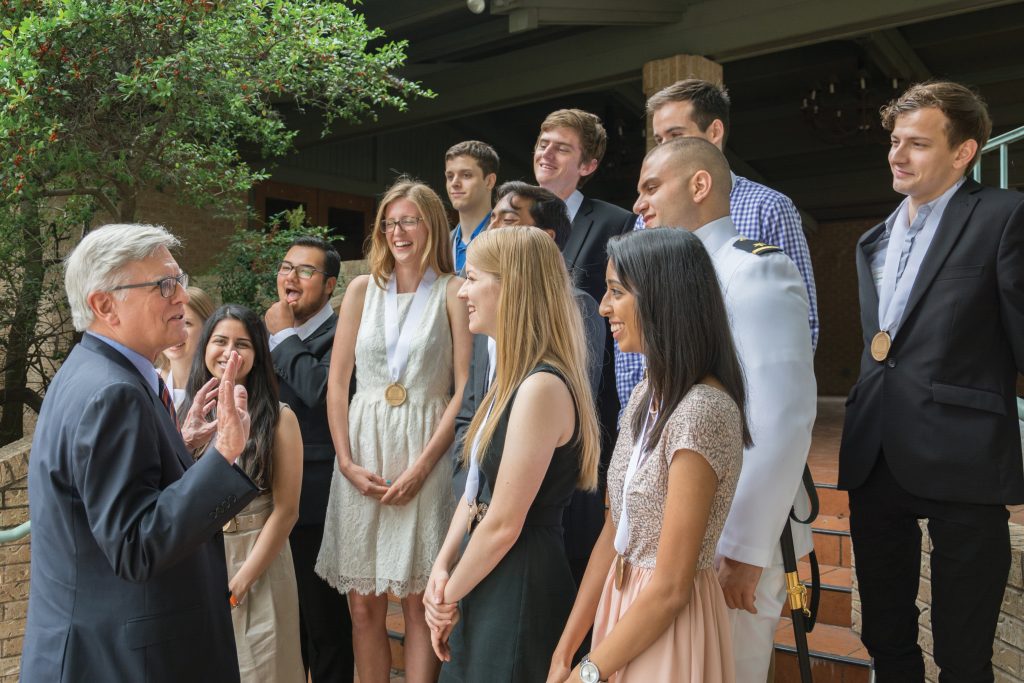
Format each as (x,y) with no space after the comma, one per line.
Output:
(141,363)
(896,227)
(573,204)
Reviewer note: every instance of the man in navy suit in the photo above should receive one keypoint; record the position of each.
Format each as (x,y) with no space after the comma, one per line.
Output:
(568,151)
(301,325)
(128,576)
(931,428)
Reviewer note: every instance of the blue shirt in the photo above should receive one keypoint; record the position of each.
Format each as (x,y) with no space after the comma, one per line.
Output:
(459,247)
(762,214)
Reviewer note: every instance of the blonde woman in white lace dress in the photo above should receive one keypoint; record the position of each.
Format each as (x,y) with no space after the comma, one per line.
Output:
(405,333)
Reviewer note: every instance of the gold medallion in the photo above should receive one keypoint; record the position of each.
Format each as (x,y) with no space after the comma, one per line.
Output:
(880,345)
(395,394)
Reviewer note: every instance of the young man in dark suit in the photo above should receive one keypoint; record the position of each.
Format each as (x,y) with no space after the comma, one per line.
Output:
(931,429)
(128,575)
(301,325)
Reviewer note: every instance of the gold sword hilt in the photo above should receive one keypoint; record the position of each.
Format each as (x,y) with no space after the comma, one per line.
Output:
(797,594)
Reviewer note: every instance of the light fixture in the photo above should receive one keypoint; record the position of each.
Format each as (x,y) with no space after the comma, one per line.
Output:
(476,6)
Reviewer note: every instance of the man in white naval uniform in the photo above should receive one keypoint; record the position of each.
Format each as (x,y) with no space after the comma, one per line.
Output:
(685,183)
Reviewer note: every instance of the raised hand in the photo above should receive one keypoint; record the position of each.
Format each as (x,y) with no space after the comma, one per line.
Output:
(232,412)
(197,428)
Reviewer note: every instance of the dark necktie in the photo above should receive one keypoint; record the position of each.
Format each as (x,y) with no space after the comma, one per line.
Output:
(165,398)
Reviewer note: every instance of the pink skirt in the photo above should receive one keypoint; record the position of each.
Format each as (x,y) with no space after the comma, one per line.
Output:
(696,647)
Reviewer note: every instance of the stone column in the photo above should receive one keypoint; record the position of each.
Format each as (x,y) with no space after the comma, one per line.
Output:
(663,72)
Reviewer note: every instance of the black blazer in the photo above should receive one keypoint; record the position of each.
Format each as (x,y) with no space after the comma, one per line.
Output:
(942,406)
(595,223)
(302,367)
(128,575)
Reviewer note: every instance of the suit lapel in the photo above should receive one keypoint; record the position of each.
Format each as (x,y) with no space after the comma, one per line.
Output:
(170,429)
(581,226)
(954,220)
(868,291)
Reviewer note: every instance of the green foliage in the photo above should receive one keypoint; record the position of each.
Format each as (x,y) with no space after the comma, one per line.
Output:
(248,270)
(100,99)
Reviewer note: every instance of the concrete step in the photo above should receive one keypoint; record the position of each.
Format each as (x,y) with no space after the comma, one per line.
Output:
(837,655)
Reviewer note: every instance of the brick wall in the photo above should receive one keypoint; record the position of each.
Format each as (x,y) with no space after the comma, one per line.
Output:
(14,557)
(837,361)
(1008,648)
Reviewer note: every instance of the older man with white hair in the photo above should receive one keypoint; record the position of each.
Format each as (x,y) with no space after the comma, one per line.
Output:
(128,576)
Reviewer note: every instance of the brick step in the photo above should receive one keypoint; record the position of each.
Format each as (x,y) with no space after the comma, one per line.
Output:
(837,655)
(832,540)
(832,501)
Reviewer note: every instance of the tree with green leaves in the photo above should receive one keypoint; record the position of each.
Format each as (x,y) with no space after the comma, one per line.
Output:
(102,100)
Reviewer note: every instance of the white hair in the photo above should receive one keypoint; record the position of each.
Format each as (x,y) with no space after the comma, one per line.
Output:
(96,264)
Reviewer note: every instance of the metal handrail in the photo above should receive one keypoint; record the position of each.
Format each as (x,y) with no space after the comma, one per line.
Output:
(15,533)
(1002,143)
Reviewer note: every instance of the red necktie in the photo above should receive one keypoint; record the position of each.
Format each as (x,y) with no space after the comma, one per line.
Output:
(165,398)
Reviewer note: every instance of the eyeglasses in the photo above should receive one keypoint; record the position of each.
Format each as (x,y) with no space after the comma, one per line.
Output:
(407,223)
(167,285)
(304,272)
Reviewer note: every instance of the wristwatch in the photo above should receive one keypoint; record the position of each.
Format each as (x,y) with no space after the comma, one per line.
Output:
(589,673)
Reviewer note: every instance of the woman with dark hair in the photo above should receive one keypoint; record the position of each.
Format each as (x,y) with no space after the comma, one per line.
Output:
(650,591)
(264,598)
(175,363)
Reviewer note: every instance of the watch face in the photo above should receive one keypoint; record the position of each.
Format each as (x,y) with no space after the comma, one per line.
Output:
(589,673)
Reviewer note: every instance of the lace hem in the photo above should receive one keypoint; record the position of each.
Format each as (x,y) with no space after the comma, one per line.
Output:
(372,586)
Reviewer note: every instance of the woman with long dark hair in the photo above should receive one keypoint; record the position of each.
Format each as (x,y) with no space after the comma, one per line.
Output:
(264,598)
(650,591)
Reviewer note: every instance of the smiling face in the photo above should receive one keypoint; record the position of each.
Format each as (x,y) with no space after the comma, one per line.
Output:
(619,305)
(186,349)
(407,245)
(481,292)
(558,161)
(144,321)
(305,297)
(663,195)
(675,120)
(468,188)
(922,162)
(229,335)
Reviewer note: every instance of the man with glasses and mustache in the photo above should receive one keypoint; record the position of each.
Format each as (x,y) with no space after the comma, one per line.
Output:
(301,325)
(128,575)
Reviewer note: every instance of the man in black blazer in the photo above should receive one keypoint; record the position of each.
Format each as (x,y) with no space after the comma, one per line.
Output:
(128,580)
(301,325)
(568,151)
(931,429)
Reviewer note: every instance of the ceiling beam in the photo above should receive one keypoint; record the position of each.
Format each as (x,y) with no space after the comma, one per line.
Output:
(525,15)
(724,30)
(891,52)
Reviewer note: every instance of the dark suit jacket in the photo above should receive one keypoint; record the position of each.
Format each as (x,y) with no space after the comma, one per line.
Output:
(302,367)
(595,223)
(128,576)
(942,406)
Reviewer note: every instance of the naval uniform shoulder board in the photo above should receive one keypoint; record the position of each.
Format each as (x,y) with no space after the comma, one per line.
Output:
(756,248)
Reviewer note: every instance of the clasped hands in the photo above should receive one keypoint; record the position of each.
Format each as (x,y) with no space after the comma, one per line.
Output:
(397,492)
(231,424)
(441,616)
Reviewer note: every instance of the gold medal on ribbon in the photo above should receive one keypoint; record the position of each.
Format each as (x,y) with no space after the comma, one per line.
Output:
(395,394)
(880,345)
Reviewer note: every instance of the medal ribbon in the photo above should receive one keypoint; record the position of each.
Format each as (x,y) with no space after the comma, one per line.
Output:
(473,475)
(636,461)
(398,338)
(895,290)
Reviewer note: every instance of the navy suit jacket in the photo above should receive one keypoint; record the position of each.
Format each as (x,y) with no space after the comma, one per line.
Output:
(942,405)
(302,367)
(128,580)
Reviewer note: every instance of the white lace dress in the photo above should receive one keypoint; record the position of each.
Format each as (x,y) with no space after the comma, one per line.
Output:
(374,548)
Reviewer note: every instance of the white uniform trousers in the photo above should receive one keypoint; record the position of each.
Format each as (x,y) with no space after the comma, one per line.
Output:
(753,635)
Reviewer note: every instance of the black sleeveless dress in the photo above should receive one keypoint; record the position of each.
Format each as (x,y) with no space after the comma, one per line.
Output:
(512,620)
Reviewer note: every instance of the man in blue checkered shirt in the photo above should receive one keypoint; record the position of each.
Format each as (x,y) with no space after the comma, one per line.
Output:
(696,108)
